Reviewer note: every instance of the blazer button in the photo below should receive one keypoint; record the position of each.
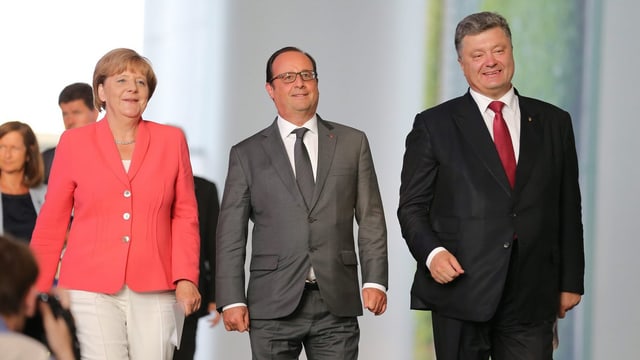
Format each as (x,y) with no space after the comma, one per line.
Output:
(506,245)
(125,239)
(126,216)
(127,193)
(311,220)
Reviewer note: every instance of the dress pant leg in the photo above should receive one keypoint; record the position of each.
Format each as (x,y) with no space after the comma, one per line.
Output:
(150,324)
(511,338)
(100,324)
(323,335)
(460,340)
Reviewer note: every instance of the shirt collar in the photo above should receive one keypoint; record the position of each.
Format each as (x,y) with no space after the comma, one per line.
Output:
(286,127)
(509,99)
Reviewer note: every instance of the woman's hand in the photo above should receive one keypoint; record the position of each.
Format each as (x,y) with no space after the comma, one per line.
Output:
(187,294)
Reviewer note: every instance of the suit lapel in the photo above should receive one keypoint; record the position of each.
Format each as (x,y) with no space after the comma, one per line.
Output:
(274,149)
(530,139)
(472,126)
(327,140)
(109,151)
(142,146)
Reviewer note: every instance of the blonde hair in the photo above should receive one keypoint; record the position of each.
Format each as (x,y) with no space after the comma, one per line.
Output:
(118,61)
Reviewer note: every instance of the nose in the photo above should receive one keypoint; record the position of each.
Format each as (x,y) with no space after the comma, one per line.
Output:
(491,59)
(132,86)
(298,81)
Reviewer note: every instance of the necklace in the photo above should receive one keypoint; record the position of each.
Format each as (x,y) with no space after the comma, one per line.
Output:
(129,142)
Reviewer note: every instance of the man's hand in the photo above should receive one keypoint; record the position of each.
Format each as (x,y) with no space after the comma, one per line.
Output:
(568,301)
(58,333)
(445,268)
(236,319)
(215,319)
(374,300)
(187,294)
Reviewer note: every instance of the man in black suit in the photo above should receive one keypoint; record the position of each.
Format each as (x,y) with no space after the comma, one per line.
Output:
(495,229)
(76,103)
(208,209)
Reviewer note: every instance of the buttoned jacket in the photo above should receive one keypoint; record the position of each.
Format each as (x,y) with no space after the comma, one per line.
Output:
(138,228)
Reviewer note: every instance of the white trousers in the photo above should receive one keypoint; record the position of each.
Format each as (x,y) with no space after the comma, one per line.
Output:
(124,326)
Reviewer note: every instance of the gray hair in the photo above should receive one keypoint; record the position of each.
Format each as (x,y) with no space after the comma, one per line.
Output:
(480,22)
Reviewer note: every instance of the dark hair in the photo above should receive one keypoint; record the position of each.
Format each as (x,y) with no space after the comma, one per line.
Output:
(34,165)
(480,22)
(285,49)
(118,61)
(19,273)
(77,91)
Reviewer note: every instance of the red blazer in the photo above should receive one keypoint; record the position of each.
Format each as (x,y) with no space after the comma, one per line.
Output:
(138,228)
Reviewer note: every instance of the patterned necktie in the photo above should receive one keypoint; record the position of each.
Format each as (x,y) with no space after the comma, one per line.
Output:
(304,172)
(502,139)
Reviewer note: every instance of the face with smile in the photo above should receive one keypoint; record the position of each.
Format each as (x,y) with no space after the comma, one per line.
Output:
(487,62)
(297,101)
(125,94)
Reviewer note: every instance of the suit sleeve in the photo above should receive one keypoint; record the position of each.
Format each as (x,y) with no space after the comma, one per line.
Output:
(209,237)
(184,222)
(571,237)
(52,222)
(231,236)
(369,213)
(418,177)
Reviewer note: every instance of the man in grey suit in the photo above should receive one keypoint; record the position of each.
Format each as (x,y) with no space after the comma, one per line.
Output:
(301,181)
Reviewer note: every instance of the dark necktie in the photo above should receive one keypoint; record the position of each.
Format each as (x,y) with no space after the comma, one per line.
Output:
(502,139)
(304,172)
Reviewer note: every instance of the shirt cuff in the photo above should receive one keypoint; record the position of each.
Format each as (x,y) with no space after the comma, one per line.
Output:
(375,286)
(432,254)
(233,305)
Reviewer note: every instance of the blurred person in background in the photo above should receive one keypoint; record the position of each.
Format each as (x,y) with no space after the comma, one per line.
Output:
(208,209)
(18,301)
(23,192)
(76,104)
(133,248)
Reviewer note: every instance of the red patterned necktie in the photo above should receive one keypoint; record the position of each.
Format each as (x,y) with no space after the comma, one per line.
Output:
(502,139)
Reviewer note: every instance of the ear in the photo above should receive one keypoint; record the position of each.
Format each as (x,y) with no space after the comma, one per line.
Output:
(101,94)
(269,89)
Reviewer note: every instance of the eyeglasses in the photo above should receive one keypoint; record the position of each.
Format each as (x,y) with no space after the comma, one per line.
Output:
(290,77)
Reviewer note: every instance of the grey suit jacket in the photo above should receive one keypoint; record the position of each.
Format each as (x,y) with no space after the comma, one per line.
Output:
(287,237)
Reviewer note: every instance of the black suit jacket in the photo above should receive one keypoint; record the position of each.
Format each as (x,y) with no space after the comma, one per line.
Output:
(208,209)
(47,157)
(455,194)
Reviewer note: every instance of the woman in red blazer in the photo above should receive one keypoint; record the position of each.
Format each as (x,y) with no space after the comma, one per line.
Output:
(132,249)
